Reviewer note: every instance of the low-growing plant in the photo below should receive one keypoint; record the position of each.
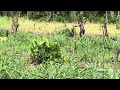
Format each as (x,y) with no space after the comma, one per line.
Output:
(66,32)
(44,50)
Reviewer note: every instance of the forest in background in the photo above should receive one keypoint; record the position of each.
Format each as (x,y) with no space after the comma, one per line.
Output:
(68,16)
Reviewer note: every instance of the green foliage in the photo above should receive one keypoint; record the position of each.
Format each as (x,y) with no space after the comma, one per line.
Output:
(2,33)
(65,32)
(73,16)
(64,16)
(45,50)
(33,15)
(15,54)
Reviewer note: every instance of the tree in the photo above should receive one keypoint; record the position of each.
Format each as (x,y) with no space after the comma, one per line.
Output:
(73,16)
(15,24)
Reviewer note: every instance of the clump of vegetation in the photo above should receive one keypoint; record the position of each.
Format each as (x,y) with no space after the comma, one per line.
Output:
(1,33)
(44,50)
(66,32)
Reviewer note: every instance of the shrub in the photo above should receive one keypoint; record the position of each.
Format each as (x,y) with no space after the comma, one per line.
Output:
(44,51)
(66,32)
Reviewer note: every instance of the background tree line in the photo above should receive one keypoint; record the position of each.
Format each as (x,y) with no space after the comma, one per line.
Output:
(68,16)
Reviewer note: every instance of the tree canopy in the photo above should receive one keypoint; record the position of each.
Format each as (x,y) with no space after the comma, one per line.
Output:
(68,16)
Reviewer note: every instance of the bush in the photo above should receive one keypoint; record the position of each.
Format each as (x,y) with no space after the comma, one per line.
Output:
(66,32)
(44,51)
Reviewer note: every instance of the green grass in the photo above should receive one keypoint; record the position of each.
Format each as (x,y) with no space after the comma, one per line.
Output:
(15,56)
(51,27)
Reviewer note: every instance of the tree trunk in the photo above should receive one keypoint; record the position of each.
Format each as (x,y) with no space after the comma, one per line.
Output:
(112,14)
(119,16)
(116,54)
(106,18)
(15,23)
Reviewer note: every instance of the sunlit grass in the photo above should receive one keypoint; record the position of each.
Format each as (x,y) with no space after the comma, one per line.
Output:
(15,55)
(50,27)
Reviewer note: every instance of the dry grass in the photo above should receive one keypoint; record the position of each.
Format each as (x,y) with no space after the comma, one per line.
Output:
(51,27)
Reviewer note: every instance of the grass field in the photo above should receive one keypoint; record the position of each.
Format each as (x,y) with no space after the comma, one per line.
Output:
(51,27)
(85,63)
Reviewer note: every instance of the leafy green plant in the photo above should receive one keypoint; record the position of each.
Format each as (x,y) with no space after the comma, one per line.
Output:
(45,50)
(66,32)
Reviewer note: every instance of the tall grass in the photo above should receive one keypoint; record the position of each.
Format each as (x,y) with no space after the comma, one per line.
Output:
(15,56)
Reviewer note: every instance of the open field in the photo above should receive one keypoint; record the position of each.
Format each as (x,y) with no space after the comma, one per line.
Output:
(85,62)
(51,27)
